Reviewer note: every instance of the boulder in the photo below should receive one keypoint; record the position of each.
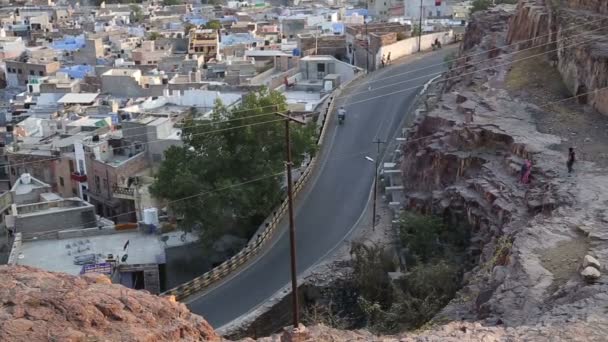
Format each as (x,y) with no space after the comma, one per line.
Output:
(590,274)
(591,261)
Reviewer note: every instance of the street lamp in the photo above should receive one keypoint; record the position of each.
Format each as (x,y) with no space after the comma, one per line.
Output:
(292,228)
(375,161)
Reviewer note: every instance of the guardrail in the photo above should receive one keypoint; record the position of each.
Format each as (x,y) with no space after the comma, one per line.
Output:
(253,247)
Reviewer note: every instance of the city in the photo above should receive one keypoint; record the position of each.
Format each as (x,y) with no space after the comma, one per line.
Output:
(306,170)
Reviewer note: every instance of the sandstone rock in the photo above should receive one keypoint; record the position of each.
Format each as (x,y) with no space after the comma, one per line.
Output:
(591,261)
(42,306)
(590,274)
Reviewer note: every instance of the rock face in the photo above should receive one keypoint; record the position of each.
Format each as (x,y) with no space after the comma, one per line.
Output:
(41,306)
(529,238)
(574,35)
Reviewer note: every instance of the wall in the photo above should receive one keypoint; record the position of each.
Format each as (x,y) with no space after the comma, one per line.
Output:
(80,217)
(41,167)
(65,166)
(410,45)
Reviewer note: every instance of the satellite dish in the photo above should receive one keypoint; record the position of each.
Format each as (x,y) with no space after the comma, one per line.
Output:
(124,258)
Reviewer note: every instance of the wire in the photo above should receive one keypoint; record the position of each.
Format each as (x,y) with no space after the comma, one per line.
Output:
(345,96)
(142,143)
(454,77)
(348,156)
(465,74)
(485,52)
(400,74)
(179,199)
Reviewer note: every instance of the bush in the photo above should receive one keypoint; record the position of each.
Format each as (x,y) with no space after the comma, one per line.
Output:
(480,5)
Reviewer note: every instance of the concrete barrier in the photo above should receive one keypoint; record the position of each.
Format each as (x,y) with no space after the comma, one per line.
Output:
(254,246)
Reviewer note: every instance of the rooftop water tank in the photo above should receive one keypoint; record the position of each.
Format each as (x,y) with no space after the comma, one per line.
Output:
(26,178)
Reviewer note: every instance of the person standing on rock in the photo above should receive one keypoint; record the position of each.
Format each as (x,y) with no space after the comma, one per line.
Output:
(526,169)
(571,159)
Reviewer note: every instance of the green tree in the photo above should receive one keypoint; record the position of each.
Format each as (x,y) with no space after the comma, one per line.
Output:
(480,5)
(214,25)
(416,30)
(188,27)
(154,36)
(171,2)
(233,147)
(212,2)
(136,13)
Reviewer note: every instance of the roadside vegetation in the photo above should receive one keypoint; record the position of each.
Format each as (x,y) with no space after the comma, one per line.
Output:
(435,260)
(228,176)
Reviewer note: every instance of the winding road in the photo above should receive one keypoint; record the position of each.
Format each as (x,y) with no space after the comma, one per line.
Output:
(336,196)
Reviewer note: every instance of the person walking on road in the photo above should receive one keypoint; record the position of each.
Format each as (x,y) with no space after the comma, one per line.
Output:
(388,58)
(382,61)
(571,159)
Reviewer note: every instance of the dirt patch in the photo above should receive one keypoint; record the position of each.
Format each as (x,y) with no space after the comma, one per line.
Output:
(563,260)
(536,81)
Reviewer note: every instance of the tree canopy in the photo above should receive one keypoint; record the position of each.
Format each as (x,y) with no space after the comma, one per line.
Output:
(214,25)
(221,157)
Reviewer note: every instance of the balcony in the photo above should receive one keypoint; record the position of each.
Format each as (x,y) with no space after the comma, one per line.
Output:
(75,176)
(124,193)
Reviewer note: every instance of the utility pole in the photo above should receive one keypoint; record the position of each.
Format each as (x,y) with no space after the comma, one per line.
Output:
(378,142)
(367,49)
(292,228)
(420,29)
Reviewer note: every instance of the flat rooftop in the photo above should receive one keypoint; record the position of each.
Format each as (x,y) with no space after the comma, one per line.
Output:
(81,98)
(56,256)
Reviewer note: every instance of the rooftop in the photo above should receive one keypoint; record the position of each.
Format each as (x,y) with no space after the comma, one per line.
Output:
(60,255)
(26,183)
(81,98)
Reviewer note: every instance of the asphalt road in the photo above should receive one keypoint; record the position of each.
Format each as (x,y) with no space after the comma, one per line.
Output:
(335,199)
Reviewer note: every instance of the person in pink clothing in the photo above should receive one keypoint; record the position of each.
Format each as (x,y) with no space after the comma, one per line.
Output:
(526,169)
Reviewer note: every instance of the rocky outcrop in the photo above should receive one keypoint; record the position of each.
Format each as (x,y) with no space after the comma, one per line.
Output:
(574,35)
(463,160)
(459,332)
(42,306)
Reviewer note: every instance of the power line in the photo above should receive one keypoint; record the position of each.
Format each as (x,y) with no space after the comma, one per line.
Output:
(454,77)
(280,173)
(180,199)
(484,52)
(347,96)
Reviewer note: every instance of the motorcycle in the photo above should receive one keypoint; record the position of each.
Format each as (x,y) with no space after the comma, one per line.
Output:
(341,116)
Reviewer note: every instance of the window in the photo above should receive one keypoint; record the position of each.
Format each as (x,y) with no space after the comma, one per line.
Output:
(61,181)
(105,183)
(32,72)
(71,166)
(97,185)
(74,192)
(81,166)
(40,73)
(19,71)
(13,171)
(320,67)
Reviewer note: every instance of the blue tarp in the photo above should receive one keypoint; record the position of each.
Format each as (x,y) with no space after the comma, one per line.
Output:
(338,28)
(198,21)
(69,43)
(77,71)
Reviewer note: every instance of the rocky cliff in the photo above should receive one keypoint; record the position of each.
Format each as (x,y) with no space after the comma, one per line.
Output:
(533,241)
(574,32)
(41,306)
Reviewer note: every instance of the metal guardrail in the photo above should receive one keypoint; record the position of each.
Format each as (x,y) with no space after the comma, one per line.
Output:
(219,272)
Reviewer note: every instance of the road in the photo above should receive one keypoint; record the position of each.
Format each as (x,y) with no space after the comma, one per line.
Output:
(336,197)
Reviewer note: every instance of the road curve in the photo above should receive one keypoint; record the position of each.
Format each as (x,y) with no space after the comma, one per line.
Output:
(335,198)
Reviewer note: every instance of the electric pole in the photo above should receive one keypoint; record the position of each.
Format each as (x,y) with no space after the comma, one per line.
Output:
(420,29)
(367,49)
(378,142)
(292,228)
